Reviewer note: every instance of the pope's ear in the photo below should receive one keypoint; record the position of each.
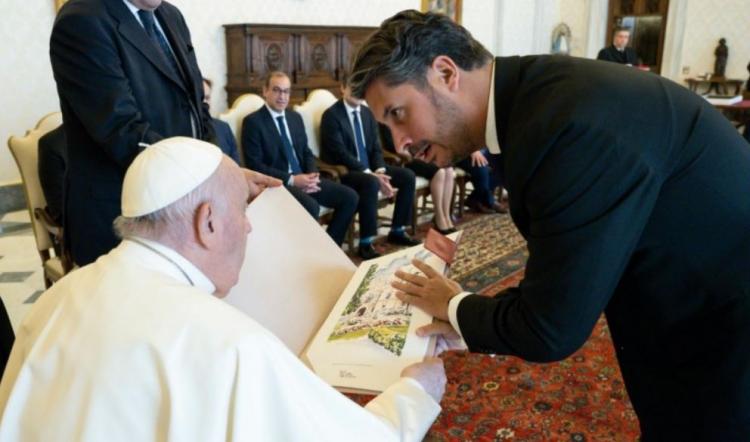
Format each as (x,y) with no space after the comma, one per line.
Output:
(204,224)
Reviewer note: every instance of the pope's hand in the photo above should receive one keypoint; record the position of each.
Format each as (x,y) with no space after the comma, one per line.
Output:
(447,339)
(430,292)
(431,376)
(257,182)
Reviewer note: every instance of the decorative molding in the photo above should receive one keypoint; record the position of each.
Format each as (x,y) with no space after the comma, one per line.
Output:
(451,8)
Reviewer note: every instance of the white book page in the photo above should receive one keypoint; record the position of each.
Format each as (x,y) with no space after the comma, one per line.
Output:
(293,272)
(370,335)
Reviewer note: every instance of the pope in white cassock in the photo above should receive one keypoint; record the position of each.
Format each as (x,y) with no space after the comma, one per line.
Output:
(136,347)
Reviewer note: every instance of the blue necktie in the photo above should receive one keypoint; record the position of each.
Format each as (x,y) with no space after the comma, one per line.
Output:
(361,149)
(149,24)
(288,149)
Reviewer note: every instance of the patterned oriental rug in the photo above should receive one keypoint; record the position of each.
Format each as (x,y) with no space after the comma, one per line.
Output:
(503,398)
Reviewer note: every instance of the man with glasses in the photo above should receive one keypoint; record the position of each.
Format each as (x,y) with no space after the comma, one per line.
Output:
(275,143)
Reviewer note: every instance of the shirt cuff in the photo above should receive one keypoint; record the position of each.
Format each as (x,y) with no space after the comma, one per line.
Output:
(453,311)
(380,170)
(367,170)
(290,181)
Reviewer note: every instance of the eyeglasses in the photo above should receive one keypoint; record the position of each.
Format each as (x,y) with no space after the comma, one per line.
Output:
(279,91)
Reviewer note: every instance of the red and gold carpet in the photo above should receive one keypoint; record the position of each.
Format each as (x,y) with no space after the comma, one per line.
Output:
(503,398)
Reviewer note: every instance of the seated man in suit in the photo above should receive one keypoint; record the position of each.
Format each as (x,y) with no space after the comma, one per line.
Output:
(349,136)
(484,181)
(275,143)
(224,135)
(51,165)
(619,52)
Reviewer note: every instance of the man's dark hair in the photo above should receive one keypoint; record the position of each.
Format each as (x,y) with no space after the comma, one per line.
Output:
(406,44)
(274,74)
(620,29)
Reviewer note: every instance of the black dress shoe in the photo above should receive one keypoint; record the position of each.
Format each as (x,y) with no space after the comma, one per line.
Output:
(447,231)
(367,252)
(478,207)
(402,239)
(500,207)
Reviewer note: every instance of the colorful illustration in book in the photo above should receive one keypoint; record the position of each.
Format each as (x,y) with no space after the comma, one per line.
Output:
(374,312)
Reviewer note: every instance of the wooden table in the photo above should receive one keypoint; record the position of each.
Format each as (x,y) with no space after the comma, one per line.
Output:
(716,83)
(738,113)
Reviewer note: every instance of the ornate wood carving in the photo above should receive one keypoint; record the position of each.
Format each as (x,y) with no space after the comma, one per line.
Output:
(314,57)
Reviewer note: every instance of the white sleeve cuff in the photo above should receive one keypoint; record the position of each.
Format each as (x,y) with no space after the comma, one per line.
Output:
(406,408)
(368,170)
(290,181)
(453,311)
(380,170)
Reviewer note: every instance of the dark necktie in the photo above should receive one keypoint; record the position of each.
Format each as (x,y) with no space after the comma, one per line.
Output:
(360,139)
(288,149)
(149,24)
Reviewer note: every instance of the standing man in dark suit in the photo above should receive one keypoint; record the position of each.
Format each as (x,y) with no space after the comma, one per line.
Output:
(127,77)
(224,136)
(647,219)
(619,51)
(349,136)
(275,143)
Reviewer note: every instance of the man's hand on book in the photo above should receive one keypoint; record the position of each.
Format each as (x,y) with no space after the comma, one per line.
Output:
(430,292)
(431,376)
(447,338)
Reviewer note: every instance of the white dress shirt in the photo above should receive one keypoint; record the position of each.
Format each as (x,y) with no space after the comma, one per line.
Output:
(276,115)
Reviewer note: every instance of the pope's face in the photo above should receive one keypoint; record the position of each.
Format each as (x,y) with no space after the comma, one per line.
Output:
(423,122)
(235,226)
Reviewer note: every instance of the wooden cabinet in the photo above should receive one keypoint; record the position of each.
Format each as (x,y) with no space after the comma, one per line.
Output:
(314,57)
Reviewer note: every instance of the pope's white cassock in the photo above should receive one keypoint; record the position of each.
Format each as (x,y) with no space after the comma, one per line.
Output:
(135,347)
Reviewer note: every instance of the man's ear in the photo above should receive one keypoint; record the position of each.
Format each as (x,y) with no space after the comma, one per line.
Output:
(205,225)
(445,73)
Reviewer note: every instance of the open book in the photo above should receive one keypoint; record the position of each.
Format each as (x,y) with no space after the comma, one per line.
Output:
(343,321)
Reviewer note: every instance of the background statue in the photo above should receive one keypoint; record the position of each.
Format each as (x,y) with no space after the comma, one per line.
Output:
(721,53)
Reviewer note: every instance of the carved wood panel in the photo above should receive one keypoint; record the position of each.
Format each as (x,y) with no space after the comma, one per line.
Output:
(314,57)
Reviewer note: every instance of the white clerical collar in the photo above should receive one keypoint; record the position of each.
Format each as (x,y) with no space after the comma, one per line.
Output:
(274,113)
(176,264)
(490,131)
(350,109)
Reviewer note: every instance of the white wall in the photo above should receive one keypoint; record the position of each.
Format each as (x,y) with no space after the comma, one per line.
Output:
(705,24)
(28,88)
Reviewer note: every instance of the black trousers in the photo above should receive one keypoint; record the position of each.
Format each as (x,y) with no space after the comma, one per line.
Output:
(340,198)
(367,186)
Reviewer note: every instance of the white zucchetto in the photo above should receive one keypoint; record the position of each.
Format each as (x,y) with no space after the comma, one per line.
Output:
(165,172)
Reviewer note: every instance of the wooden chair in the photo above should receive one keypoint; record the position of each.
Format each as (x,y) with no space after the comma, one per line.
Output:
(48,235)
(242,107)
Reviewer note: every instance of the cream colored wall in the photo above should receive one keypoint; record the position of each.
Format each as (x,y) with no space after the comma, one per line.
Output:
(706,23)
(25,73)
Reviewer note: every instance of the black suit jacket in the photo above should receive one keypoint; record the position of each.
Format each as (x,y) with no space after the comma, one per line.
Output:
(610,53)
(338,145)
(263,149)
(51,166)
(116,91)
(635,203)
